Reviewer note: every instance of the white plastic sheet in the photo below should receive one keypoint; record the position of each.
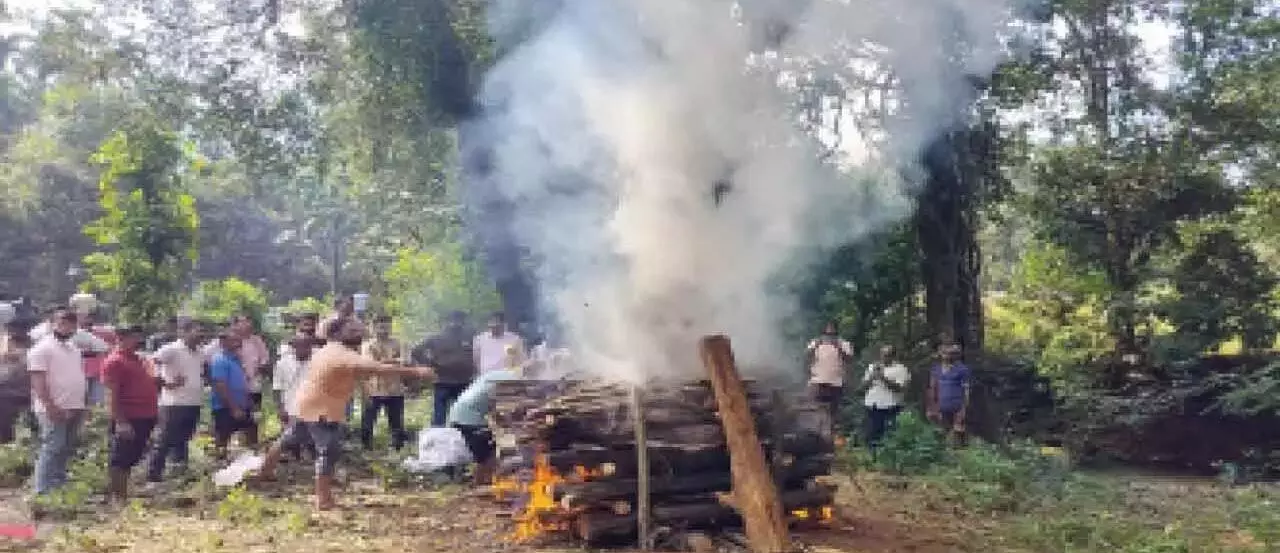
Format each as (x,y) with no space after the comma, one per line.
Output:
(438,449)
(235,472)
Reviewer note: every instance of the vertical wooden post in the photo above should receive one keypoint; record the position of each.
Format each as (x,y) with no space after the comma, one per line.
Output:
(642,467)
(755,495)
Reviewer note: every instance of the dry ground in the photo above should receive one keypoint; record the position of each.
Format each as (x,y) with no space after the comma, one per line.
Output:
(439,519)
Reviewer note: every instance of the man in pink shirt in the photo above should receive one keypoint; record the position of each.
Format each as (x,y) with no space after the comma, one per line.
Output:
(254,356)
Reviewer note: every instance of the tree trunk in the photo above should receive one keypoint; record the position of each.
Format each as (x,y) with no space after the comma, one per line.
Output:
(946,232)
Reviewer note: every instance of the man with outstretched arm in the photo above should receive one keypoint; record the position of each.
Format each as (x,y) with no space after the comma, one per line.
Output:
(322,398)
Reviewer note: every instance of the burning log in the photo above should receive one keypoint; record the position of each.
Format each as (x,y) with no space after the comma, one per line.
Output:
(597,527)
(569,460)
(583,494)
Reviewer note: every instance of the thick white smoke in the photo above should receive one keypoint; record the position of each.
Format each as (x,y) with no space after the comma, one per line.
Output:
(614,121)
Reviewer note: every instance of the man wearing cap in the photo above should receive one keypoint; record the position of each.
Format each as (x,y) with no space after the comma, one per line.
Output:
(133,407)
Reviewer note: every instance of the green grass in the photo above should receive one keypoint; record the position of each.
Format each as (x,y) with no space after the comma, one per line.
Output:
(1024,500)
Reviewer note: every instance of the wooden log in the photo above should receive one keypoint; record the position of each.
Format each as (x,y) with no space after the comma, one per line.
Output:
(643,508)
(619,461)
(755,494)
(599,526)
(577,495)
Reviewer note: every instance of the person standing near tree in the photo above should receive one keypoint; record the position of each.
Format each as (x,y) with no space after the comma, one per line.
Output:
(886,382)
(383,391)
(132,405)
(182,391)
(947,400)
(326,389)
(58,392)
(450,353)
(489,348)
(231,401)
(829,355)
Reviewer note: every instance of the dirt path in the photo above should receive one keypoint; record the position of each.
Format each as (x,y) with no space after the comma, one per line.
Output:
(372,519)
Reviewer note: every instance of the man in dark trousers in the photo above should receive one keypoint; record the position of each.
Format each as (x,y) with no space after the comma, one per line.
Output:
(449,352)
(132,403)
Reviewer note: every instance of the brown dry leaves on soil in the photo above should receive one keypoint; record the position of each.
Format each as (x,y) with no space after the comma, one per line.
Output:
(277,519)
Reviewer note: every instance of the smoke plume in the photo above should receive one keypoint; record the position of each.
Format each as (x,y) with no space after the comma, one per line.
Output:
(660,173)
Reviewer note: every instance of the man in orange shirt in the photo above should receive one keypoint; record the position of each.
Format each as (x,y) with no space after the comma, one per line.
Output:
(321,402)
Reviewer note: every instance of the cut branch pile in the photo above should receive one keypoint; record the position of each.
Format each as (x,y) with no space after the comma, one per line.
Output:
(569,461)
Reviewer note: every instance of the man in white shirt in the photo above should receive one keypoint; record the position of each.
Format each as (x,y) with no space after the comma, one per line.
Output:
(886,382)
(490,347)
(58,390)
(829,355)
(290,370)
(181,365)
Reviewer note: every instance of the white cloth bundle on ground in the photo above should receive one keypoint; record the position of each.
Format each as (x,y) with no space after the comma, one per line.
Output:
(438,449)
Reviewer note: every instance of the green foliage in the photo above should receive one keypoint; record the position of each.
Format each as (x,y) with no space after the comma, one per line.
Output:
(242,506)
(425,285)
(1256,393)
(1223,291)
(299,306)
(1052,315)
(148,226)
(914,446)
(219,300)
(16,464)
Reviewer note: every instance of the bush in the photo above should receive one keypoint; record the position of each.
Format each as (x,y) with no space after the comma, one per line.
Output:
(914,446)
(218,300)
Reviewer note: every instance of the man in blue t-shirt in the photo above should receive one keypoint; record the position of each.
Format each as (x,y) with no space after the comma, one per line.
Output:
(230,399)
(948,396)
(469,411)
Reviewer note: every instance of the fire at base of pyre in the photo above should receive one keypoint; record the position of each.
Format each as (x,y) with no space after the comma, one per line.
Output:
(569,467)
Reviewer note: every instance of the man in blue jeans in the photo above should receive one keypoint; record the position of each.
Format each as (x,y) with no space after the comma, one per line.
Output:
(449,352)
(58,389)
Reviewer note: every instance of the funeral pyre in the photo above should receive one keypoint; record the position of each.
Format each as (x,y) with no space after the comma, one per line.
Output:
(569,466)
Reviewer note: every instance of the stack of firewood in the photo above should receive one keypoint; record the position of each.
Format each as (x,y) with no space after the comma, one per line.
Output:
(568,453)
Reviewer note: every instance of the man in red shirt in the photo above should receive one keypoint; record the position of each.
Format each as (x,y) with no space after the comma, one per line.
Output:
(133,405)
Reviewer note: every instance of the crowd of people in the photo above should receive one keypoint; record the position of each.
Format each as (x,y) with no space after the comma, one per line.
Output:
(155,388)
(884,385)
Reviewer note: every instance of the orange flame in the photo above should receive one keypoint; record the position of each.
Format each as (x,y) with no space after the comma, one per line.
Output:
(815,514)
(591,473)
(541,513)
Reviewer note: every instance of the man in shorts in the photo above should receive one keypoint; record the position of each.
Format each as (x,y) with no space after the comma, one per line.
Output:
(133,405)
(321,402)
(231,401)
(468,414)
